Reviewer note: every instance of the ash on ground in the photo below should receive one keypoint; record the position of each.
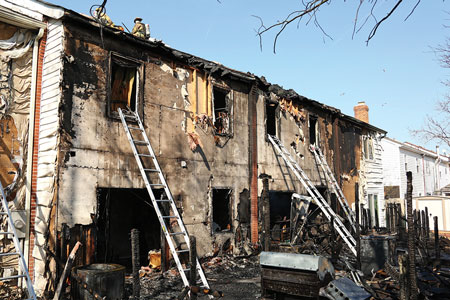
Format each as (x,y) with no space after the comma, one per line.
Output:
(236,278)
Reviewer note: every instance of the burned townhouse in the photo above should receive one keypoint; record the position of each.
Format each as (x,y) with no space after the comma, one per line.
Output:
(69,166)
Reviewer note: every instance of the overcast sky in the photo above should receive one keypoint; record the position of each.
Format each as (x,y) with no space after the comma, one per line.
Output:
(397,74)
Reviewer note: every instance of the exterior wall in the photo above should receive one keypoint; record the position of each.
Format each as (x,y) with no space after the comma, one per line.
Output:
(391,162)
(372,177)
(98,154)
(47,143)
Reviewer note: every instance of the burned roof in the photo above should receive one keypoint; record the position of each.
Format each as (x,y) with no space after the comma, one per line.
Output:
(214,68)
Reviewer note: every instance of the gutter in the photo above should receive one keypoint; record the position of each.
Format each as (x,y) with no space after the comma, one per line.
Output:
(30,141)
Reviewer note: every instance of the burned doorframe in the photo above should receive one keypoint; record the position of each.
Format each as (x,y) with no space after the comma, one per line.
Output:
(221,204)
(124,74)
(119,210)
(280,213)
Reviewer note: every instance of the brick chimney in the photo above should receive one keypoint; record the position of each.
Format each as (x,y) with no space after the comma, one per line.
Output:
(361,111)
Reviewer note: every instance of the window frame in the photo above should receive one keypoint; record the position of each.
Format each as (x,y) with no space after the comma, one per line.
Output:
(277,110)
(229,101)
(316,129)
(368,148)
(139,84)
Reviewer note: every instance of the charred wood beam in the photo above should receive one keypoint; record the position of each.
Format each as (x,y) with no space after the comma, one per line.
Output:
(135,263)
(411,239)
(193,264)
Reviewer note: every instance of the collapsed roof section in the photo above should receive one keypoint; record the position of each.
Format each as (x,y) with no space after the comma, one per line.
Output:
(213,68)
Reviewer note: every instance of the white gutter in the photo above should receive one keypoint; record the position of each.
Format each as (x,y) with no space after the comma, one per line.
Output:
(31,142)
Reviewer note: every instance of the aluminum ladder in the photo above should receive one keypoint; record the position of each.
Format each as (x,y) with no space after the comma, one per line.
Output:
(314,193)
(138,140)
(334,185)
(22,264)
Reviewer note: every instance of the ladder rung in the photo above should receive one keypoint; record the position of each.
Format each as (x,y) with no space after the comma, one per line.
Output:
(135,128)
(151,170)
(5,232)
(136,142)
(169,217)
(176,233)
(145,155)
(163,200)
(187,270)
(3,213)
(7,254)
(156,184)
(182,251)
(12,277)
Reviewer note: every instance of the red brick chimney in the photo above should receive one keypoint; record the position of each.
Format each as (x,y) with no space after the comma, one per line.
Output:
(361,111)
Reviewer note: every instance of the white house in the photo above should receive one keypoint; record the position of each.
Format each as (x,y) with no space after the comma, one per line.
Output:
(430,170)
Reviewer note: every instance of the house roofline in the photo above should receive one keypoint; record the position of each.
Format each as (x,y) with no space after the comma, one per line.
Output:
(217,69)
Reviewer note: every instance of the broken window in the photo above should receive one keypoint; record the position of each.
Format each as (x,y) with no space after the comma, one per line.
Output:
(124,89)
(222,102)
(313,134)
(271,117)
(221,207)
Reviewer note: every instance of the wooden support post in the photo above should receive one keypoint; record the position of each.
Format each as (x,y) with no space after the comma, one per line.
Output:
(266,212)
(135,263)
(423,225)
(165,251)
(193,264)
(66,272)
(436,238)
(411,239)
(402,266)
(427,225)
(358,229)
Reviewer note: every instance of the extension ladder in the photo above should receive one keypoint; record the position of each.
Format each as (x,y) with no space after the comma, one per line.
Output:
(22,264)
(334,185)
(314,193)
(138,139)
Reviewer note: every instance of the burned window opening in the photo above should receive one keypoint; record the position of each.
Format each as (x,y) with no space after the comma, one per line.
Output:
(313,135)
(124,85)
(221,207)
(271,118)
(222,111)
(280,214)
(119,211)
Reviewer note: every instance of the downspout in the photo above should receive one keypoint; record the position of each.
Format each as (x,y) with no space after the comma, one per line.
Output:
(423,172)
(436,170)
(30,141)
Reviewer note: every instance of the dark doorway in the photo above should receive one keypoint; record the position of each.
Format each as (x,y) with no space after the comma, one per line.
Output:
(280,213)
(221,219)
(119,211)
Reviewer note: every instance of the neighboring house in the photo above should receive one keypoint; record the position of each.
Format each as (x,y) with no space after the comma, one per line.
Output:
(207,124)
(430,170)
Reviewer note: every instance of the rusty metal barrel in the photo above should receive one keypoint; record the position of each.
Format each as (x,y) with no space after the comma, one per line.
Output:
(103,279)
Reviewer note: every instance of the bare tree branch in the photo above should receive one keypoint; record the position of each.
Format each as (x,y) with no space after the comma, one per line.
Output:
(312,7)
(375,28)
